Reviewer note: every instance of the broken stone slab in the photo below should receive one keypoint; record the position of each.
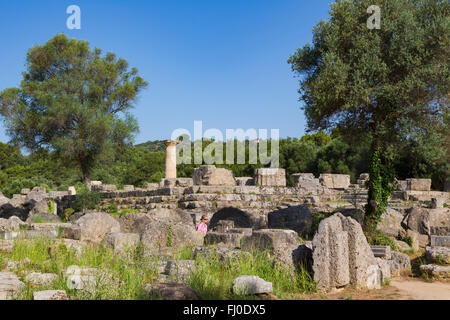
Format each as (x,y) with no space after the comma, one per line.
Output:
(437,254)
(128,187)
(43,279)
(28,234)
(11,224)
(245,181)
(50,295)
(391,223)
(418,240)
(161,234)
(170,291)
(85,278)
(418,184)
(122,242)
(271,239)
(385,269)
(179,270)
(383,252)
(306,181)
(440,241)
(402,245)
(39,189)
(342,256)
(440,221)
(107,188)
(437,203)
(209,175)
(48,226)
(436,271)
(71,191)
(223,254)
(61,245)
(93,227)
(224,225)
(270,177)
(222,239)
(245,231)
(152,186)
(399,262)
(279,244)
(335,181)
(176,182)
(248,285)
(9,285)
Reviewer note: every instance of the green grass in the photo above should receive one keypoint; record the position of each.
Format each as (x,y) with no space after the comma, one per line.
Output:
(115,212)
(213,279)
(128,274)
(377,238)
(38,219)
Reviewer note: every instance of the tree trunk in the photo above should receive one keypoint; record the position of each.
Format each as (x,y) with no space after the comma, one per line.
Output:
(87,178)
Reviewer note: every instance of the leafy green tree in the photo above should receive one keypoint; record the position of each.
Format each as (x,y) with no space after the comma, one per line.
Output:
(73,101)
(10,156)
(386,83)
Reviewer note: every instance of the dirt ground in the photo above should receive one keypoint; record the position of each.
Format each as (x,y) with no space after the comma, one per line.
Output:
(405,288)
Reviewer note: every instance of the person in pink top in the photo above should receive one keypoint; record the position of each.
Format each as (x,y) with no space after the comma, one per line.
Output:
(202,227)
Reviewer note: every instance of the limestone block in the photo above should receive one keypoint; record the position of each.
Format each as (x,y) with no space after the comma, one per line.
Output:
(128,187)
(245,181)
(440,241)
(50,295)
(270,177)
(122,242)
(247,285)
(436,271)
(437,255)
(209,175)
(342,255)
(71,191)
(176,182)
(437,203)
(224,225)
(419,184)
(171,291)
(335,181)
(94,226)
(228,240)
(37,278)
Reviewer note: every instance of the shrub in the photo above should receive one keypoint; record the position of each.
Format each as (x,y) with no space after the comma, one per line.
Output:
(377,238)
(408,240)
(112,209)
(87,200)
(67,213)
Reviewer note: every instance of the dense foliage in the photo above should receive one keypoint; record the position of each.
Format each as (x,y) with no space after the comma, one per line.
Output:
(316,153)
(73,101)
(388,84)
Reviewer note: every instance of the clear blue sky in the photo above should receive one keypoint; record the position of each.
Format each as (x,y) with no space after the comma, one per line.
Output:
(222,62)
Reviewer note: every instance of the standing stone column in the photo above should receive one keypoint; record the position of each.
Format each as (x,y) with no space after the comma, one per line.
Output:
(171,158)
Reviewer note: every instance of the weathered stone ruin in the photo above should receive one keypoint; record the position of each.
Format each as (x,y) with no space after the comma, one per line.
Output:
(245,214)
(343,257)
